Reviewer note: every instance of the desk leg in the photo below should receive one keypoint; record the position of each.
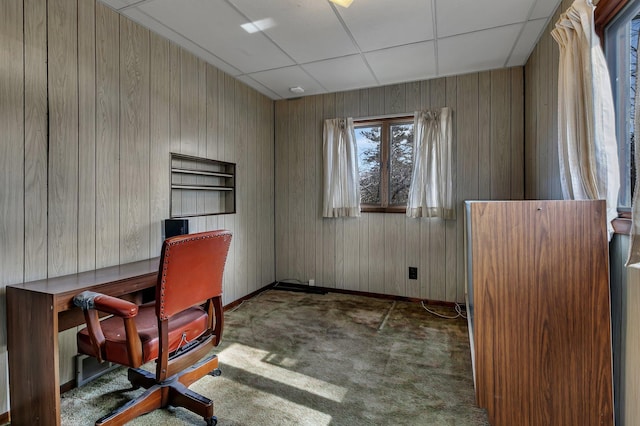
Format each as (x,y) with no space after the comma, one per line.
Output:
(32,337)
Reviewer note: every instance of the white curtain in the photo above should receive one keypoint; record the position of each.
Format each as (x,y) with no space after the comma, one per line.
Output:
(587,147)
(341,181)
(634,247)
(431,190)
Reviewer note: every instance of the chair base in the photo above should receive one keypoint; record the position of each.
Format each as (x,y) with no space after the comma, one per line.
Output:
(173,392)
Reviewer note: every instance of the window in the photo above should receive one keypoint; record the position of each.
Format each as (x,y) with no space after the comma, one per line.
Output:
(385,159)
(621,38)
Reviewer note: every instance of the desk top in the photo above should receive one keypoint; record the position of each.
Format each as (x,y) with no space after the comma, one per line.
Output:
(113,280)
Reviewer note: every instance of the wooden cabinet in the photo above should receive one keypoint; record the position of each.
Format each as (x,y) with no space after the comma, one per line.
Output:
(539,311)
(200,186)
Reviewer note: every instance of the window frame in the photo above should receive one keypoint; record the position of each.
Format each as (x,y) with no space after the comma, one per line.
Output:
(605,12)
(385,160)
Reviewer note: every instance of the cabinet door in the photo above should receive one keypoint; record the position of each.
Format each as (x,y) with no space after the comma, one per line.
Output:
(541,312)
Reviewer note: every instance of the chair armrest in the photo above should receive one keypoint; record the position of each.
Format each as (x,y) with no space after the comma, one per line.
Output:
(103,303)
(92,302)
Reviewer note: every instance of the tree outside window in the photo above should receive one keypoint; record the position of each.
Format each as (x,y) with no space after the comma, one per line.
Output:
(385,160)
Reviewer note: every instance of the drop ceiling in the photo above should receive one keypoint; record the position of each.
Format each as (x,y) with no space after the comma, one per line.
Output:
(274,45)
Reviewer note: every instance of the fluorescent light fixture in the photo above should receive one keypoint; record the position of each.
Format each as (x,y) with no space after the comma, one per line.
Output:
(260,25)
(343,3)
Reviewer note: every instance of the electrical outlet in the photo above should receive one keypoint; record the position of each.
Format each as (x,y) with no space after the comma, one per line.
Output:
(312,282)
(413,273)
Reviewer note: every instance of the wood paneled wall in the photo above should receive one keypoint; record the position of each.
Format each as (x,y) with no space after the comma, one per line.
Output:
(91,104)
(542,172)
(372,253)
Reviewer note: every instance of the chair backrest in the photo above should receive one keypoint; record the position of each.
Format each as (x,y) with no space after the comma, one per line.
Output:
(191,268)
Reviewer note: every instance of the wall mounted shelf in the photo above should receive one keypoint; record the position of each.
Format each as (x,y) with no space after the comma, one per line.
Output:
(201,186)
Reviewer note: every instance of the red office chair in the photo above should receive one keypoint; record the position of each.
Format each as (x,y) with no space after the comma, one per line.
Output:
(176,331)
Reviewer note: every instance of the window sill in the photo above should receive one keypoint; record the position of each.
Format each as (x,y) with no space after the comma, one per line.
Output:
(622,224)
(372,209)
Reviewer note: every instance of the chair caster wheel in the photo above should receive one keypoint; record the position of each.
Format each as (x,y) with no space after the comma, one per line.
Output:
(213,421)
(215,373)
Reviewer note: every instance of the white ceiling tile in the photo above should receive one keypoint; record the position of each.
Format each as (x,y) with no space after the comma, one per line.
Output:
(544,8)
(259,87)
(148,22)
(307,30)
(528,39)
(463,16)
(118,4)
(469,52)
(373,26)
(405,63)
(322,47)
(282,79)
(215,26)
(338,74)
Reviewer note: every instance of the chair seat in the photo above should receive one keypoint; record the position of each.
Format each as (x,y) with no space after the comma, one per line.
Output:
(193,322)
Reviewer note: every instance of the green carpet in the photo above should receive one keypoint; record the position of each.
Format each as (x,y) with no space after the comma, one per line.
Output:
(309,359)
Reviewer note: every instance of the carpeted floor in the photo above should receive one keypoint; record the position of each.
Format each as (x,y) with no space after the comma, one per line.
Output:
(309,359)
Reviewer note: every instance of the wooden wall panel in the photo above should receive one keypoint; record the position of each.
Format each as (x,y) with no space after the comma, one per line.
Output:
(35,139)
(437,227)
(85,170)
(212,124)
(542,174)
(395,268)
(134,142)
(317,153)
(63,137)
(107,136)
(12,151)
(240,156)
(484,136)
(500,131)
(159,137)
(311,204)
(175,136)
(230,154)
(86,135)
(296,197)
(517,133)
(281,172)
(189,113)
(467,150)
(267,190)
(454,282)
(373,253)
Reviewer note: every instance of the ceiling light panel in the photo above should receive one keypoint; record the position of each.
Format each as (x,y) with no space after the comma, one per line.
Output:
(343,3)
(307,30)
(376,25)
(216,27)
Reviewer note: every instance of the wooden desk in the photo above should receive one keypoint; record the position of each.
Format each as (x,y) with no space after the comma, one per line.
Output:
(36,311)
